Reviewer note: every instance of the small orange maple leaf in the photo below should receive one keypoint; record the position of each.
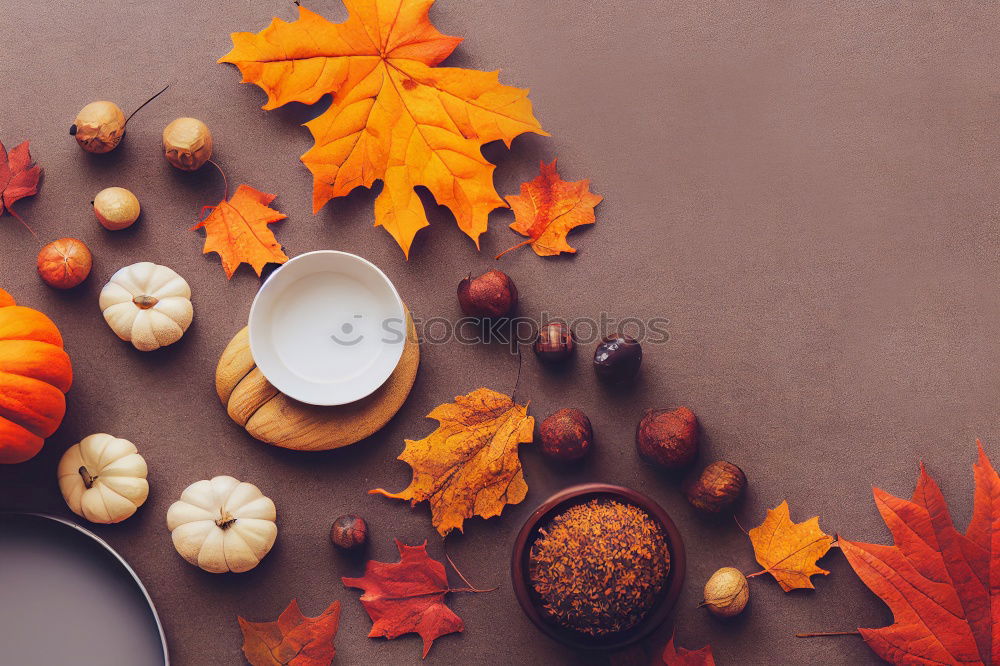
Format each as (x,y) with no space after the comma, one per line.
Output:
(237,231)
(548,208)
(292,639)
(469,466)
(788,551)
(395,115)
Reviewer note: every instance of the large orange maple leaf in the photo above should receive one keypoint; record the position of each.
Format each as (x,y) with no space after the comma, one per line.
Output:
(395,117)
(942,586)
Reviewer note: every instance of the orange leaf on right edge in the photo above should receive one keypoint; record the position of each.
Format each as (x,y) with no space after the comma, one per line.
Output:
(548,208)
(942,586)
(678,656)
(237,231)
(788,551)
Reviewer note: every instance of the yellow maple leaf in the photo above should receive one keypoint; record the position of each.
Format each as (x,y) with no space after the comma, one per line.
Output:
(237,231)
(788,551)
(395,117)
(469,465)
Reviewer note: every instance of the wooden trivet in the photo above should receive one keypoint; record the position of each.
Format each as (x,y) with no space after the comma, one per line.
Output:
(272,417)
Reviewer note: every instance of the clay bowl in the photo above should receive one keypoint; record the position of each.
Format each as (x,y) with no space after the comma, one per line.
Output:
(562,500)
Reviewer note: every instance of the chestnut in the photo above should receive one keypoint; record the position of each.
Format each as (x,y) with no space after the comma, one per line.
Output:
(566,435)
(491,295)
(617,358)
(554,343)
(349,532)
(717,488)
(668,438)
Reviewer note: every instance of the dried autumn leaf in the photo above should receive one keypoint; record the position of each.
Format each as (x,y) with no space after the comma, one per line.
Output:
(788,551)
(548,208)
(395,117)
(469,465)
(942,586)
(237,231)
(19,177)
(293,639)
(678,656)
(407,596)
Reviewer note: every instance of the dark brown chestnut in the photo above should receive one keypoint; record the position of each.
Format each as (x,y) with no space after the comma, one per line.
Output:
(617,358)
(554,342)
(349,532)
(490,295)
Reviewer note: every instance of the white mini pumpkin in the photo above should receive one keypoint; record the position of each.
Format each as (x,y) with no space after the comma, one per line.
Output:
(222,525)
(103,478)
(148,305)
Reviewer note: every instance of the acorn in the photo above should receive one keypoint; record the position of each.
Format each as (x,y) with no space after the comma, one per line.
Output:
(99,127)
(554,343)
(116,208)
(491,295)
(617,358)
(566,435)
(668,438)
(717,488)
(349,532)
(187,143)
(726,592)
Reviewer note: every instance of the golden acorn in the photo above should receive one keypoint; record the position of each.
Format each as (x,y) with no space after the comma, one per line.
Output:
(116,208)
(99,127)
(726,592)
(187,143)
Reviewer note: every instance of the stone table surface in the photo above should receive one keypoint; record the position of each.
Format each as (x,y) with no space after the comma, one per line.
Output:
(807,192)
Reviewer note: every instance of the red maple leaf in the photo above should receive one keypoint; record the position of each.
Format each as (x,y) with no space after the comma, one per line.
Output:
(407,596)
(293,639)
(942,586)
(678,656)
(18,178)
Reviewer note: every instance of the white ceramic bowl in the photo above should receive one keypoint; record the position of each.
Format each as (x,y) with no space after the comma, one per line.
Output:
(327,328)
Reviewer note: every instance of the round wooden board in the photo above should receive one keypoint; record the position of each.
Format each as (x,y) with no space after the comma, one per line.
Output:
(272,417)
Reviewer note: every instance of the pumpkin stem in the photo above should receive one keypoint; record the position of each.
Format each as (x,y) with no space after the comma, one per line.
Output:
(145,302)
(224,521)
(88,480)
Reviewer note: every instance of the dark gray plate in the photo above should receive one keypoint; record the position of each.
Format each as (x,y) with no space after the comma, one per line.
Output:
(67,598)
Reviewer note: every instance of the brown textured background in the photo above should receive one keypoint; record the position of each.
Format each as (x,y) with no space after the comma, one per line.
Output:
(807,190)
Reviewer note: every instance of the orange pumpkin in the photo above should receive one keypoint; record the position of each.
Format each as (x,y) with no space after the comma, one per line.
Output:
(35,373)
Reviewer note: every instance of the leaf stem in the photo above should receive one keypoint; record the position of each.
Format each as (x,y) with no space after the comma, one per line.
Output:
(517,380)
(519,245)
(225,181)
(737,521)
(471,587)
(25,224)
(828,633)
(144,104)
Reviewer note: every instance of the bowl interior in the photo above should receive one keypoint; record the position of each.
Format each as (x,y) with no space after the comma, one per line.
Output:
(530,601)
(327,328)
